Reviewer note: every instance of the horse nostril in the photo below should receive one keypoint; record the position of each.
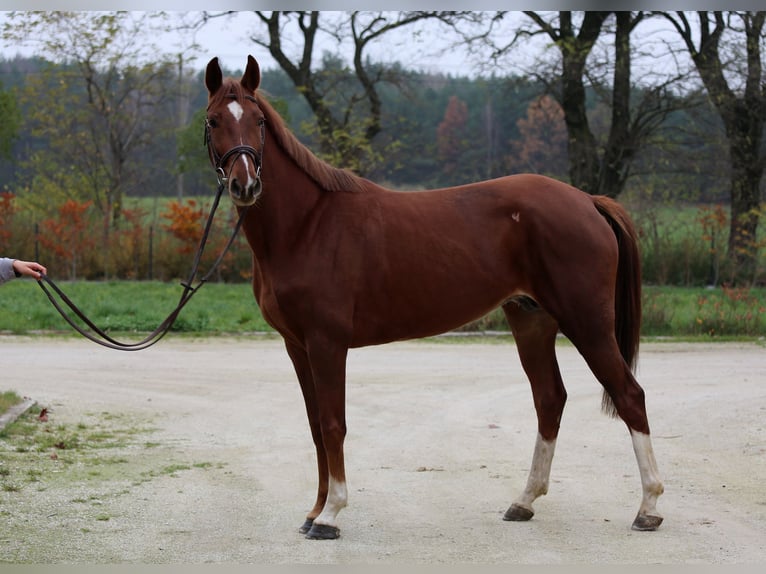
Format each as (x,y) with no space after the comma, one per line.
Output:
(235,189)
(254,189)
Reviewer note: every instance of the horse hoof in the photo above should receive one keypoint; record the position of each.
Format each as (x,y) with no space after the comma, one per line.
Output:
(518,513)
(306,526)
(645,522)
(323,532)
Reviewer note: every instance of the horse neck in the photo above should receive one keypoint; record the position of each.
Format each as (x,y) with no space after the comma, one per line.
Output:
(289,198)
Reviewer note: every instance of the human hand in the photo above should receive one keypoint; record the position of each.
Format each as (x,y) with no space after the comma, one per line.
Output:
(29,268)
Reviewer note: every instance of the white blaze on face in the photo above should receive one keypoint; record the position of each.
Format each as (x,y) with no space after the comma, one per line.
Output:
(236,110)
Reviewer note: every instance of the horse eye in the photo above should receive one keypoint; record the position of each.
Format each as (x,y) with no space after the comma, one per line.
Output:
(212,123)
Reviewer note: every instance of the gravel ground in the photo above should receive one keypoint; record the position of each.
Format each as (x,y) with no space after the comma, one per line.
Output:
(440,441)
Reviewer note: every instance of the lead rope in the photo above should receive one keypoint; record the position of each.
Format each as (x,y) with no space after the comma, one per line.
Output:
(97,335)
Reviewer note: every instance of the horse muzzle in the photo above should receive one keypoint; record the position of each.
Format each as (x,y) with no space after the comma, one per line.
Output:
(245,193)
(244,178)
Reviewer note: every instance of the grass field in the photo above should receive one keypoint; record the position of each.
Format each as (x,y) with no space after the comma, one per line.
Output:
(132,307)
(218,309)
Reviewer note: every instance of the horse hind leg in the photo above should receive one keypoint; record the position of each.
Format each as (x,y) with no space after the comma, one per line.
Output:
(625,397)
(534,332)
(647,518)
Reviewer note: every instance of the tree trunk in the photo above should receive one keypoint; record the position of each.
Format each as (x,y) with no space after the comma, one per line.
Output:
(743,117)
(591,169)
(619,151)
(746,174)
(581,144)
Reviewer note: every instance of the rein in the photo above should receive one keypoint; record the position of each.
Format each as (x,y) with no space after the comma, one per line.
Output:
(99,336)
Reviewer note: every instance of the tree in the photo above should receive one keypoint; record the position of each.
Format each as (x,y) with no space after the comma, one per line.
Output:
(575,47)
(732,72)
(95,109)
(67,235)
(594,166)
(9,127)
(7,210)
(450,135)
(192,155)
(542,145)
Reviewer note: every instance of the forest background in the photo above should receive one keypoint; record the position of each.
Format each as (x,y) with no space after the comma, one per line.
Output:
(105,175)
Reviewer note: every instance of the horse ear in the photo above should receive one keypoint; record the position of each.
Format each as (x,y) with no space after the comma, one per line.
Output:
(213,76)
(251,79)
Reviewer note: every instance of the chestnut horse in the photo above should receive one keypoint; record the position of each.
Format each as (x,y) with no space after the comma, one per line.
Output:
(340,262)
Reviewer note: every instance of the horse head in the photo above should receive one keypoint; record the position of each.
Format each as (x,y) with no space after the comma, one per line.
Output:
(234,131)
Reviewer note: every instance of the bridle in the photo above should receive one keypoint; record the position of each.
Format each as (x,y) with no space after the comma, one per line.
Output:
(99,336)
(219,161)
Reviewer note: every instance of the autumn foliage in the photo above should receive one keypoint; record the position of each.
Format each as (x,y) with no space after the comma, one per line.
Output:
(450,134)
(7,209)
(542,145)
(69,235)
(185,221)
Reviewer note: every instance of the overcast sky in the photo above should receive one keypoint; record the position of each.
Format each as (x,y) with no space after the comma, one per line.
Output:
(229,39)
(424,47)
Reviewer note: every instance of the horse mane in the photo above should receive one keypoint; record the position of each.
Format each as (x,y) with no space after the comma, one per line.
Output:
(326,176)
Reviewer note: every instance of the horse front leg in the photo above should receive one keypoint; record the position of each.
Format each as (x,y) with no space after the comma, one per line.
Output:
(302,368)
(327,362)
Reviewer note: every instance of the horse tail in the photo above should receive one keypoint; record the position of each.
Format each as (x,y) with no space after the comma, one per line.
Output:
(627,305)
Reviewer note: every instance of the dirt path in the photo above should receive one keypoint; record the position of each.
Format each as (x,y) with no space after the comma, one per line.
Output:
(440,440)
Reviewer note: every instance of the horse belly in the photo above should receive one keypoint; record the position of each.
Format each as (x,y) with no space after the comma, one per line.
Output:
(438,267)
(421,304)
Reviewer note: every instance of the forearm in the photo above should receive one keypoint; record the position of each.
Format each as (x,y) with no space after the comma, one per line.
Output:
(6,270)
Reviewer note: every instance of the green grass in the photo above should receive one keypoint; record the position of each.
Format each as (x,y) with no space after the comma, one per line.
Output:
(97,448)
(684,312)
(135,307)
(712,313)
(8,399)
(132,307)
